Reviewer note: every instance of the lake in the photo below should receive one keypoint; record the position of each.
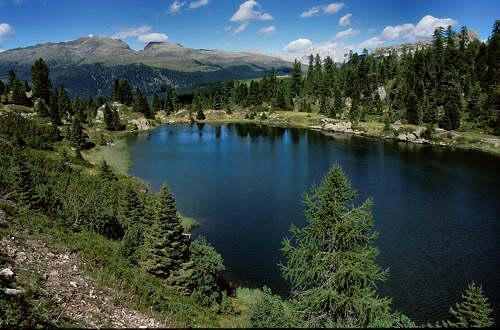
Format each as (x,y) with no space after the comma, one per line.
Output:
(437,210)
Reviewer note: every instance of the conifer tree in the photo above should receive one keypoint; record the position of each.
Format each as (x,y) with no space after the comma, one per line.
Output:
(41,108)
(474,311)
(296,78)
(452,109)
(63,102)
(40,79)
(106,171)
(165,246)
(141,104)
(134,237)
(330,262)
(414,113)
(55,116)
(156,104)
(76,136)
(24,184)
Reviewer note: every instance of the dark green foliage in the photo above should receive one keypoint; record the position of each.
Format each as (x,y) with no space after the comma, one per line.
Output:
(414,113)
(122,92)
(201,276)
(165,246)
(452,109)
(106,171)
(156,104)
(330,263)
(112,118)
(41,108)
(76,133)
(270,311)
(141,104)
(170,100)
(25,132)
(296,78)
(473,311)
(200,115)
(40,79)
(55,115)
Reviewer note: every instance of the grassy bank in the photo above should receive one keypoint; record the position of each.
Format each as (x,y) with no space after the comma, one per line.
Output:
(463,139)
(115,154)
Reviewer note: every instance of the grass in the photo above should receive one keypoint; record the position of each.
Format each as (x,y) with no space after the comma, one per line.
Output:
(116,155)
(146,293)
(189,224)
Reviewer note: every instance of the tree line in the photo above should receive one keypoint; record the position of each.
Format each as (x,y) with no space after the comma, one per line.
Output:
(452,83)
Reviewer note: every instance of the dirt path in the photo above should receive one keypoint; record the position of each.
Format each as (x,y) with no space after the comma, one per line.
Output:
(72,291)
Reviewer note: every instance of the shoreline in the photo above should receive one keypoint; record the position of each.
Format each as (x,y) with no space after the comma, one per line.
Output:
(117,155)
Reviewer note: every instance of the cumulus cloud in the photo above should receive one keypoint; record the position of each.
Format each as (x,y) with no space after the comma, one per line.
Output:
(176,6)
(152,37)
(132,32)
(142,33)
(198,4)
(350,32)
(5,31)
(409,32)
(333,8)
(345,20)
(298,45)
(248,11)
(329,9)
(267,31)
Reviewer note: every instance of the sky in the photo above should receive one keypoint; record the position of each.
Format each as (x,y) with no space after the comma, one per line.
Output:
(286,28)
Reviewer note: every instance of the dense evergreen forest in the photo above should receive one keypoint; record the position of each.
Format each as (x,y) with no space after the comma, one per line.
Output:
(330,263)
(453,83)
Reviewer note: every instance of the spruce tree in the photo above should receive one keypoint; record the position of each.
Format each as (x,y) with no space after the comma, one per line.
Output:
(452,109)
(24,185)
(106,171)
(330,262)
(474,311)
(41,108)
(414,113)
(134,237)
(165,246)
(40,79)
(296,78)
(156,104)
(76,136)
(55,116)
(108,118)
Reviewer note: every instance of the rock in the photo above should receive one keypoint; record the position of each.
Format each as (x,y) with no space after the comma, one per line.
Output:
(7,274)
(73,284)
(382,93)
(12,292)
(142,124)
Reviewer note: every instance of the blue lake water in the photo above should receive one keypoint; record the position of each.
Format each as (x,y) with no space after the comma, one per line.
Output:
(437,210)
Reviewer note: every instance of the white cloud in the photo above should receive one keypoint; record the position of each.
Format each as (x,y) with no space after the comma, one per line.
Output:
(5,31)
(333,8)
(153,37)
(345,20)
(248,11)
(350,32)
(198,4)
(425,28)
(142,33)
(267,31)
(242,27)
(408,32)
(297,45)
(329,9)
(228,28)
(176,6)
(131,32)
(314,11)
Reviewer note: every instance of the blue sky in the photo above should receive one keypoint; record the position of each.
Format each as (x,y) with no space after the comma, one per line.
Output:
(288,28)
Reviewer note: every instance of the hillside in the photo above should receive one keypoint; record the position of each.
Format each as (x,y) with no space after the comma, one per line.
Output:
(89,65)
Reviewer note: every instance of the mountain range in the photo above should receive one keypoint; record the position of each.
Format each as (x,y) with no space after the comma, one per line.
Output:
(89,65)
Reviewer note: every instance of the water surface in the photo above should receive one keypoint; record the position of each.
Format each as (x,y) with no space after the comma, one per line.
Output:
(437,210)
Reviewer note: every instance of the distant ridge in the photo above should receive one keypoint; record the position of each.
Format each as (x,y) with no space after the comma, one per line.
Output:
(89,65)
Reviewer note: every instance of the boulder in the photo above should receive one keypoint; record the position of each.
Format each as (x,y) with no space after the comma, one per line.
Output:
(7,274)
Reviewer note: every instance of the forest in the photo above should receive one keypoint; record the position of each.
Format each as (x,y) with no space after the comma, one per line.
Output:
(330,263)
